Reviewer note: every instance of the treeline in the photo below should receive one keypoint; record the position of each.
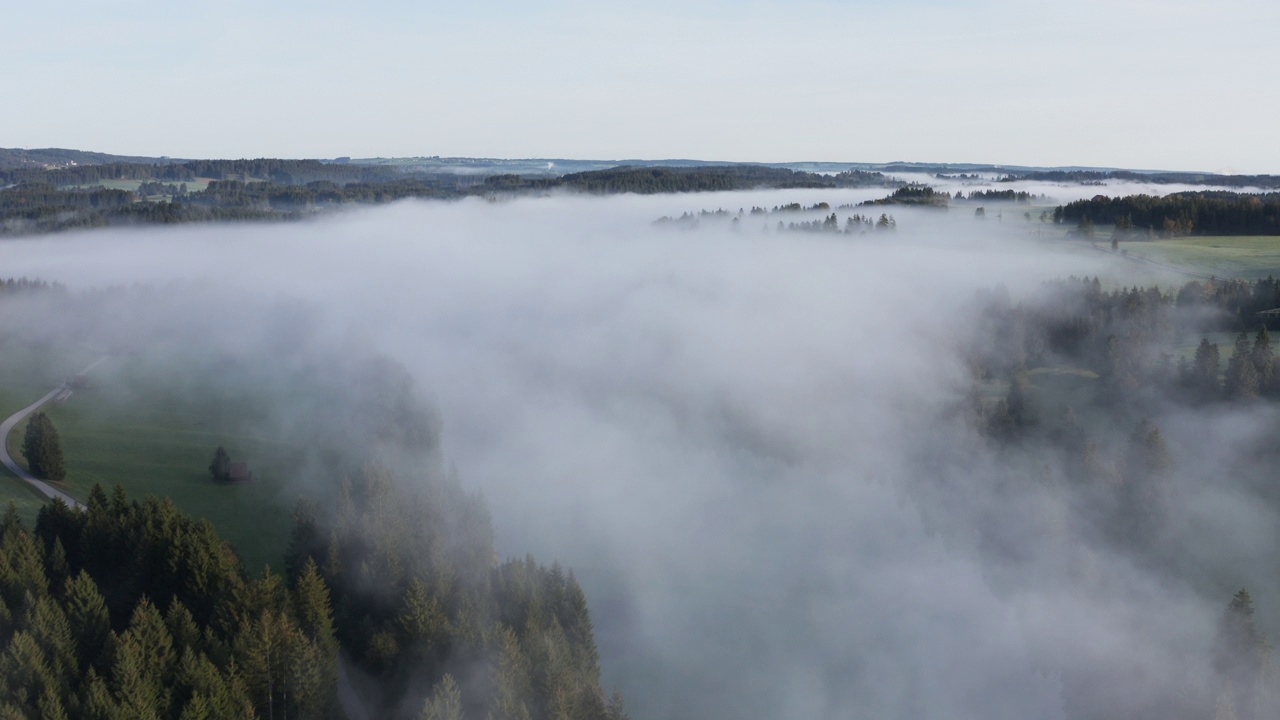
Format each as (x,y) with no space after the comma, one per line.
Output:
(282,172)
(15,286)
(1209,213)
(1110,466)
(319,193)
(914,194)
(38,198)
(11,158)
(1097,177)
(422,606)
(55,218)
(856,224)
(926,195)
(44,208)
(1015,196)
(52,202)
(652,180)
(134,610)
(853,225)
(621,179)
(1125,335)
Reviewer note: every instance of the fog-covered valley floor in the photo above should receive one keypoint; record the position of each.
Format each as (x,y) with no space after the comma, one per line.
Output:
(745,442)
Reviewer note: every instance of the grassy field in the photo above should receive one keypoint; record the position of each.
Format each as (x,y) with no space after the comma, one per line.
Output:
(1244,257)
(153,429)
(1123,273)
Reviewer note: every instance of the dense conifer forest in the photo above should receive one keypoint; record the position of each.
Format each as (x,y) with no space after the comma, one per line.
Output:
(132,609)
(1205,213)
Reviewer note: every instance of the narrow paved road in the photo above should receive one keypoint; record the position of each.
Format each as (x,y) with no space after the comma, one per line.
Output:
(7,426)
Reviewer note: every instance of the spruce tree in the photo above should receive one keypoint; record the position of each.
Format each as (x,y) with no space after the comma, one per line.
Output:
(1264,361)
(43,449)
(1241,378)
(87,613)
(1205,370)
(445,702)
(221,465)
(33,445)
(315,614)
(1239,651)
(55,467)
(511,679)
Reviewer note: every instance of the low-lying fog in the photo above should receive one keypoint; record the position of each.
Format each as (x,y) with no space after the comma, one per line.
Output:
(721,431)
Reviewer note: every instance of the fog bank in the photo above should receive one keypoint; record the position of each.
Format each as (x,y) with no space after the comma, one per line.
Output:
(723,432)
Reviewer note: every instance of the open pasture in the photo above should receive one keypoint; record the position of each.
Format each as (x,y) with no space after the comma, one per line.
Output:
(1245,257)
(153,429)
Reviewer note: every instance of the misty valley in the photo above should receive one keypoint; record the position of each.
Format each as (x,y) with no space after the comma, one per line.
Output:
(365,440)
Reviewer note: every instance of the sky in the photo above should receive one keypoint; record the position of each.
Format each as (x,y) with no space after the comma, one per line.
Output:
(1173,84)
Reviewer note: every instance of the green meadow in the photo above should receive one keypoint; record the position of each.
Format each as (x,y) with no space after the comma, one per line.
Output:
(1248,257)
(152,428)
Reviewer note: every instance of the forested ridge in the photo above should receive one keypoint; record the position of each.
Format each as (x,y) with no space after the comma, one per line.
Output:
(285,172)
(72,197)
(649,180)
(1096,177)
(1206,213)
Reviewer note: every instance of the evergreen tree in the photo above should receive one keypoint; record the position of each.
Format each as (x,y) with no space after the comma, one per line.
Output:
(311,601)
(145,664)
(1205,370)
(24,674)
(52,632)
(87,614)
(221,465)
(1241,381)
(1264,361)
(511,678)
(445,702)
(615,710)
(1239,653)
(43,449)
(182,627)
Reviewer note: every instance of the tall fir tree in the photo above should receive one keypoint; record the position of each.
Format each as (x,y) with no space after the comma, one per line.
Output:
(43,449)
(1241,382)
(1264,361)
(1204,373)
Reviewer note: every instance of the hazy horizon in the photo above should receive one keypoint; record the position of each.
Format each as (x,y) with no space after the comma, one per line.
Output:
(1108,84)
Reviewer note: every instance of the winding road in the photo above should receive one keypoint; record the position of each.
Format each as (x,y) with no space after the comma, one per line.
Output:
(12,421)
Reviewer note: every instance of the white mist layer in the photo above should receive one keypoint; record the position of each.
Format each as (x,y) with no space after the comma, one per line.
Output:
(716,430)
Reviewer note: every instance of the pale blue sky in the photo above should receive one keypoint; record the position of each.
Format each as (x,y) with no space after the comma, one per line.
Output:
(1135,83)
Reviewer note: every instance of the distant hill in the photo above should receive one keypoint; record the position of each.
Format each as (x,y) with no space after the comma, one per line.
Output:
(17,158)
(63,167)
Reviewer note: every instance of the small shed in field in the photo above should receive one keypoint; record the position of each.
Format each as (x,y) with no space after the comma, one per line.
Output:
(239,473)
